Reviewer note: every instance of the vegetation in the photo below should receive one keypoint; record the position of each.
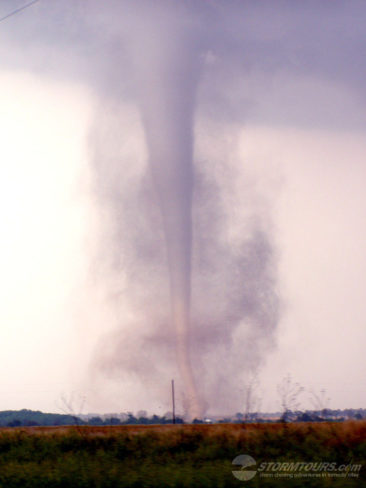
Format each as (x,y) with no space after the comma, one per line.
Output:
(174,456)
(31,418)
(17,418)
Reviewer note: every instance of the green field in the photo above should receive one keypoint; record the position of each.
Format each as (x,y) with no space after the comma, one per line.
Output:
(175,456)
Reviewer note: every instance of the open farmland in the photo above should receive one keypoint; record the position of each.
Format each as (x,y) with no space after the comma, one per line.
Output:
(178,456)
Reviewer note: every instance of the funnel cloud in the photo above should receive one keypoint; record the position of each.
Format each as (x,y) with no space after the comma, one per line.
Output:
(210,287)
(187,250)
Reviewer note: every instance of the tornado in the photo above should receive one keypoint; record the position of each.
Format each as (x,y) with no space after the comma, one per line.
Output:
(167,67)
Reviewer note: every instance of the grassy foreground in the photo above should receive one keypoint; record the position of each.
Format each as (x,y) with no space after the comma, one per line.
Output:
(175,456)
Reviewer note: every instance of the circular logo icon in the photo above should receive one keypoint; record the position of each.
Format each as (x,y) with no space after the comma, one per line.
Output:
(244,461)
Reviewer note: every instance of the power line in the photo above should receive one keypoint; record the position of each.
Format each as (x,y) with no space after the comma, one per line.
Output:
(14,12)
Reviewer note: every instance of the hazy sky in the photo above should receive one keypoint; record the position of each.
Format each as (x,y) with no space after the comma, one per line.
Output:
(294,131)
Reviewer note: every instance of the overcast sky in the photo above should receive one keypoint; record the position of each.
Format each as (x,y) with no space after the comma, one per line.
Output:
(295,131)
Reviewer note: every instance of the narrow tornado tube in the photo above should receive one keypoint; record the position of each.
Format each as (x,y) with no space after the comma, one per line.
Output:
(167,73)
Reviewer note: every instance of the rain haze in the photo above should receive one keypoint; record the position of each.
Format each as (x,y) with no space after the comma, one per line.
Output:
(182,196)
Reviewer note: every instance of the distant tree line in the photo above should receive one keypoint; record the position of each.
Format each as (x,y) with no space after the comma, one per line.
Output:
(130,419)
(323,415)
(29,418)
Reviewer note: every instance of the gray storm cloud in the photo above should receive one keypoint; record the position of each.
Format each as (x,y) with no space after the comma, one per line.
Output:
(206,303)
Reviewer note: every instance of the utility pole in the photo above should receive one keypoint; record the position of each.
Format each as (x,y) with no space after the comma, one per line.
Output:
(173,401)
